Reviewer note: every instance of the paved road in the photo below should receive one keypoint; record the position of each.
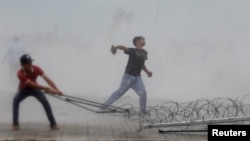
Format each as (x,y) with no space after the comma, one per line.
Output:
(76,124)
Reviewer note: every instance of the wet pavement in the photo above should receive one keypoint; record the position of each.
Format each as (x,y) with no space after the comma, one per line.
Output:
(76,124)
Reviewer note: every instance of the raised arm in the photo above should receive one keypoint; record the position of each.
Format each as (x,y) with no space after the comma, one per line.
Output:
(120,47)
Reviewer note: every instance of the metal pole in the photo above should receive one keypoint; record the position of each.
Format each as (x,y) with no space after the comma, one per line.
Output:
(96,103)
(60,98)
(197,122)
(183,130)
(75,101)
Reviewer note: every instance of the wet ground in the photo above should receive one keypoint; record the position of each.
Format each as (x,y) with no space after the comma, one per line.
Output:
(76,124)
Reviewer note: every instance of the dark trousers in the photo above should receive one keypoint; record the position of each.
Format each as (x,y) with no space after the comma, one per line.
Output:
(22,94)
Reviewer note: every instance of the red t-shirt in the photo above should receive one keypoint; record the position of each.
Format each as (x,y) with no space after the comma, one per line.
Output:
(23,76)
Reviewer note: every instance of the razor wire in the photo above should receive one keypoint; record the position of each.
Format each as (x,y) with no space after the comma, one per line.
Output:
(201,109)
(171,111)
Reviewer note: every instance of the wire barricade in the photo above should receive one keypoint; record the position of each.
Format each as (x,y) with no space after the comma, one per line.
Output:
(174,114)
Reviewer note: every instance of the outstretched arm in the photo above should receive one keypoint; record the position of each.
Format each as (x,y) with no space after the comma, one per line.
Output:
(40,87)
(52,84)
(120,47)
(145,69)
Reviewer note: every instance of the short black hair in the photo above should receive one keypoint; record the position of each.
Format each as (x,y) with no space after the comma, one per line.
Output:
(137,38)
(25,59)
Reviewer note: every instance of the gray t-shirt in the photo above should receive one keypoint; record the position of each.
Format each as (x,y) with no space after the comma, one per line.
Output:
(136,61)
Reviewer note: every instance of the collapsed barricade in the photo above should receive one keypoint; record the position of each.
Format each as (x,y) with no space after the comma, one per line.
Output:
(173,116)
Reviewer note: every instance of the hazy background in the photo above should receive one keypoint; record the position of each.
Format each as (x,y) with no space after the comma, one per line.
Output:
(197,48)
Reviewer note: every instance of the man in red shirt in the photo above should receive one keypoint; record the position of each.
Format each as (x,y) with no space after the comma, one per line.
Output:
(28,86)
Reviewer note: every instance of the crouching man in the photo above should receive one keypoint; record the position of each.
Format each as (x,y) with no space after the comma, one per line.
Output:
(28,86)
